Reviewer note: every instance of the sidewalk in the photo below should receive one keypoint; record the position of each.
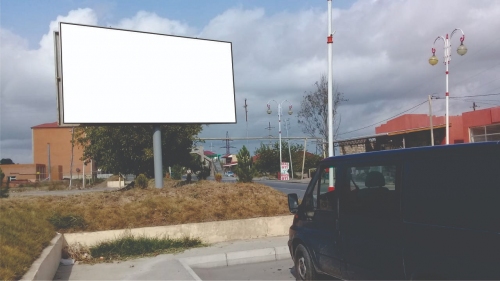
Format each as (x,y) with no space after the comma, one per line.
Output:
(177,266)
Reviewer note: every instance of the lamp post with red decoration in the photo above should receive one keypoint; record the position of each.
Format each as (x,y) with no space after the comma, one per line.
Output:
(433,60)
(279,120)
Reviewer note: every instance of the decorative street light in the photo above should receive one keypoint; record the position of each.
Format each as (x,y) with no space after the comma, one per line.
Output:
(287,124)
(279,119)
(433,60)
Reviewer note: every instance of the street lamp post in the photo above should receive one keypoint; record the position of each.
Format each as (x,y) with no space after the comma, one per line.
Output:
(279,120)
(433,60)
(289,149)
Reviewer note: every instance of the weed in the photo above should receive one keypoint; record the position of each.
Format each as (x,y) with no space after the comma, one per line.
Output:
(129,246)
(218,177)
(142,181)
(67,222)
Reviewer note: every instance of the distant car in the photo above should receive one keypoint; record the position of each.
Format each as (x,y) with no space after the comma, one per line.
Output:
(229,174)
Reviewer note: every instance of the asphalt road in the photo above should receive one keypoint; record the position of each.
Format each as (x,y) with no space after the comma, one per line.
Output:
(287,187)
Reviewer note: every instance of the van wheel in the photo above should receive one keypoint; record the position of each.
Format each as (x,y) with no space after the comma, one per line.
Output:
(304,267)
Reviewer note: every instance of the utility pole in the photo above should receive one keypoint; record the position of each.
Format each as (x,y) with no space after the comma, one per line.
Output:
(474,106)
(430,120)
(48,156)
(246,117)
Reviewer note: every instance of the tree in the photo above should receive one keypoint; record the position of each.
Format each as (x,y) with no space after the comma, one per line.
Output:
(268,158)
(6,161)
(313,114)
(245,169)
(199,167)
(128,149)
(4,191)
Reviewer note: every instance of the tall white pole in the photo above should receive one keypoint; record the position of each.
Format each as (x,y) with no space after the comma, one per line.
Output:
(289,149)
(461,50)
(48,155)
(430,121)
(447,54)
(83,174)
(279,130)
(330,93)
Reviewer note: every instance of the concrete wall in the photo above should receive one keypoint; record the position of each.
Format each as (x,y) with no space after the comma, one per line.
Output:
(208,232)
(116,184)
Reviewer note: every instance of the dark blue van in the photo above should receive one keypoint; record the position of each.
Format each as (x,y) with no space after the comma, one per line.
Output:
(418,213)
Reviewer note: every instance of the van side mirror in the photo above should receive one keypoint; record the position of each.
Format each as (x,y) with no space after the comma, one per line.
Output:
(293,203)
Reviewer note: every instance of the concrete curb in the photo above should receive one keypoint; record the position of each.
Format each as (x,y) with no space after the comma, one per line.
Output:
(234,258)
(45,267)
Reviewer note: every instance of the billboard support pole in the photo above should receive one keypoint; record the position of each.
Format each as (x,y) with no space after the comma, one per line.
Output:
(157,157)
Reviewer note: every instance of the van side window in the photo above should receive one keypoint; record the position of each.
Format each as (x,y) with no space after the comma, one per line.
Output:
(372,191)
(327,195)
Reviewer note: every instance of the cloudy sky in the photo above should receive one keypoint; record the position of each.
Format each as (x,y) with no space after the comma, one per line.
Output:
(381,50)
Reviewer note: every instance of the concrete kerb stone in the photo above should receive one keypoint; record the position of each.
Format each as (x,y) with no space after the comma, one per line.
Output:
(234,258)
(45,267)
(238,257)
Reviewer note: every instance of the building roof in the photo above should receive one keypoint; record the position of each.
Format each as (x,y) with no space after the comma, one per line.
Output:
(47,125)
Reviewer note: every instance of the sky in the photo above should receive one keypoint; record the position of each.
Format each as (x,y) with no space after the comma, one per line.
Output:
(380,58)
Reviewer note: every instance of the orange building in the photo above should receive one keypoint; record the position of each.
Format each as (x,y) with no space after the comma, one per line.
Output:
(57,139)
(28,172)
(472,126)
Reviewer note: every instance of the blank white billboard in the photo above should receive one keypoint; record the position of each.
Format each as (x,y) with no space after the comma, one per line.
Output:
(121,76)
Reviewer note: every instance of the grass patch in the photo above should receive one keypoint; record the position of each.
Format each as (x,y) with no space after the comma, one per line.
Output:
(23,236)
(28,222)
(129,246)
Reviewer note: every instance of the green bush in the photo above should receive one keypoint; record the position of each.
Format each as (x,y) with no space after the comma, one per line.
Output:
(141,181)
(176,172)
(4,191)
(68,221)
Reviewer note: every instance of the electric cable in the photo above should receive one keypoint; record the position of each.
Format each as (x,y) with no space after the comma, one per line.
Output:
(343,133)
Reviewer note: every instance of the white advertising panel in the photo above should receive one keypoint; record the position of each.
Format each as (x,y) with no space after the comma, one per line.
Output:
(284,176)
(113,76)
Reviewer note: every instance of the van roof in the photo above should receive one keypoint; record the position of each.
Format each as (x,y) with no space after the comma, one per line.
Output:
(417,150)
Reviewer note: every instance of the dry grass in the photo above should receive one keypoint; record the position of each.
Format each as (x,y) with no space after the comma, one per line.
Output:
(25,228)
(198,202)
(23,236)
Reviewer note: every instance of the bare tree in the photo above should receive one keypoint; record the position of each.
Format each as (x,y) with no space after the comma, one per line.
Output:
(313,114)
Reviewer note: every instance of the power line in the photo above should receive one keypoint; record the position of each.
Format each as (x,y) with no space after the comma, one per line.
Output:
(473,96)
(384,119)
